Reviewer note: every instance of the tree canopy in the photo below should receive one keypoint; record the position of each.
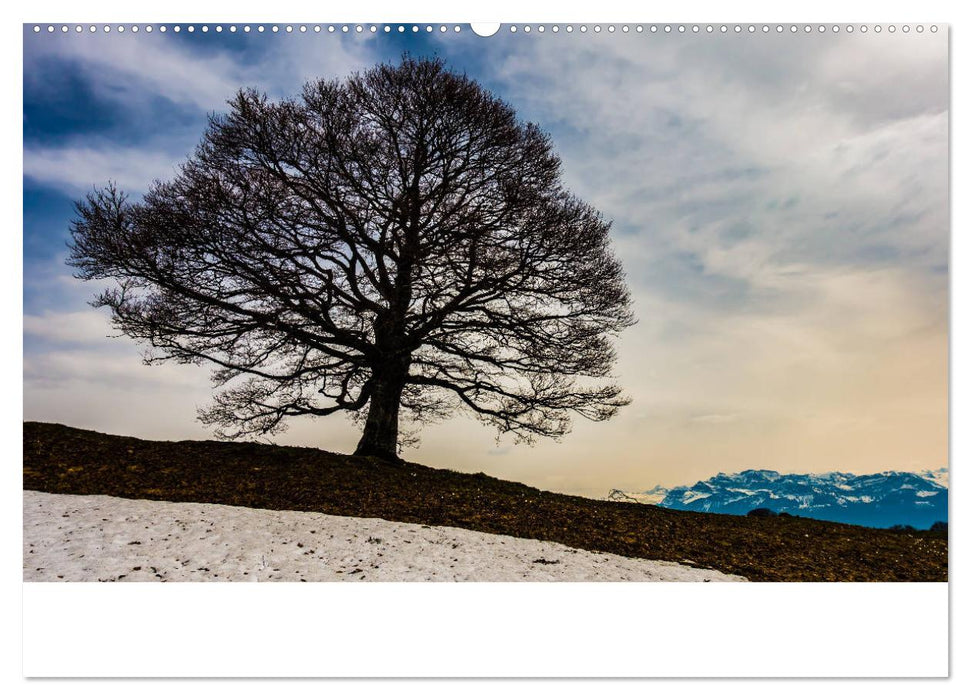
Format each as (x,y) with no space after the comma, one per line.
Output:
(393,245)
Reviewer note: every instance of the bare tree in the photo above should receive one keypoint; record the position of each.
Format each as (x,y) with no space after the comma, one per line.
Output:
(396,240)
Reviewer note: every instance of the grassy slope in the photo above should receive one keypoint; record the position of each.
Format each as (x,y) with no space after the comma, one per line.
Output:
(59,459)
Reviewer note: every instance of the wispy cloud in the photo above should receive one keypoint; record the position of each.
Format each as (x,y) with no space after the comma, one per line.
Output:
(140,77)
(71,327)
(131,69)
(76,170)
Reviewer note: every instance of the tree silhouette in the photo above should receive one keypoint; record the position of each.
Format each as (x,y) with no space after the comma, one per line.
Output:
(396,240)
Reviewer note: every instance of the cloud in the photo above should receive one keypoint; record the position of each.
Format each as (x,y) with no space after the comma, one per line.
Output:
(76,170)
(692,137)
(71,327)
(139,79)
(126,68)
(781,210)
(737,171)
(81,347)
(131,69)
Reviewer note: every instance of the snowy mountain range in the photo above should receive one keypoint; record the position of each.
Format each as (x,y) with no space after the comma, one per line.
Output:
(885,499)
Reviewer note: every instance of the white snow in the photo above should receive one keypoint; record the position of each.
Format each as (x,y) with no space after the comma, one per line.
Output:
(102,538)
(692,496)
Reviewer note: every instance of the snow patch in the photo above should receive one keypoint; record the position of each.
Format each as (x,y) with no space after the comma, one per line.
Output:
(103,538)
(691,496)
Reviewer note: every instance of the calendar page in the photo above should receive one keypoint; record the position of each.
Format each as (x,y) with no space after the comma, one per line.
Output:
(650,315)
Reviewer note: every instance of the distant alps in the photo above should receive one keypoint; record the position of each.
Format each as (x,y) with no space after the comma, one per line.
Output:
(918,499)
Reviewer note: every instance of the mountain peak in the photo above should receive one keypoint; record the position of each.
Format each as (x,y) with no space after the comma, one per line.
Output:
(876,500)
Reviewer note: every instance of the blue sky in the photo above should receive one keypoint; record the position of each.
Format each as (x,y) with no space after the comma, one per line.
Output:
(780,203)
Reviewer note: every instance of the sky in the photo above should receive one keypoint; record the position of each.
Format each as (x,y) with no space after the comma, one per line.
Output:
(779,201)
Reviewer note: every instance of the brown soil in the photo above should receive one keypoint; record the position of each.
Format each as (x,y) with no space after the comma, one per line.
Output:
(60,459)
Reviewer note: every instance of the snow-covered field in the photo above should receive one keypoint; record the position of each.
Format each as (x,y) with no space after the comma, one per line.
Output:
(102,538)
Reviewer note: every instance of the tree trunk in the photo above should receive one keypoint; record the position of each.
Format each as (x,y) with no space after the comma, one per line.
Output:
(380,437)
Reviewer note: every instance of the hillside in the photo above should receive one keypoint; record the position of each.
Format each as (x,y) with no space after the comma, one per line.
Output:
(60,459)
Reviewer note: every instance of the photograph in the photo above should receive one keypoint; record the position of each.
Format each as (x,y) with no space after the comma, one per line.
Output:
(452,303)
